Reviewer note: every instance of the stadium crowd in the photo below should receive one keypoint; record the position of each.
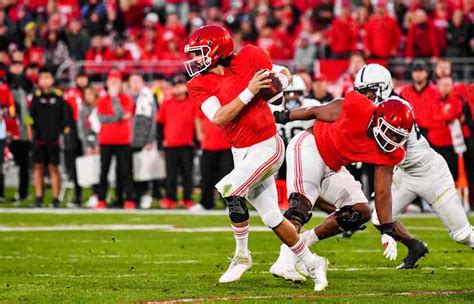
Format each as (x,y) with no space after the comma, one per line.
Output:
(114,109)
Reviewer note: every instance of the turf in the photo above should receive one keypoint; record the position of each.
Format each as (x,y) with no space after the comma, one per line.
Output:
(132,266)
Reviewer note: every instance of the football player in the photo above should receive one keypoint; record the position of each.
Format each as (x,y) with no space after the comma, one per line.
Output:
(347,131)
(225,86)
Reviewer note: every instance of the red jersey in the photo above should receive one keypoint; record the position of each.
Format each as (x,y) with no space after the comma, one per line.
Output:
(422,102)
(214,139)
(74,97)
(177,117)
(115,133)
(255,123)
(345,140)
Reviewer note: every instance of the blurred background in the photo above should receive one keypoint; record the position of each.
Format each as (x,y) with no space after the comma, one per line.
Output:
(132,50)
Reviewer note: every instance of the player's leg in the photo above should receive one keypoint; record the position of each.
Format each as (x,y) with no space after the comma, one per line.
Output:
(265,200)
(252,165)
(305,170)
(402,196)
(445,202)
(352,207)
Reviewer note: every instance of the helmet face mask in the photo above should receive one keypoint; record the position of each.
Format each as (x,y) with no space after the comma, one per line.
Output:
(201,60)
(388,137)
(293,99)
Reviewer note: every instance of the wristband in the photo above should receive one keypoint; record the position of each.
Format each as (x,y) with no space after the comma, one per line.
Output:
(283,80)
(246,96)
(388,229)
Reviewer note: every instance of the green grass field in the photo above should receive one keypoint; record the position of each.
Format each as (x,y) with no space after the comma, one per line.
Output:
(175,262)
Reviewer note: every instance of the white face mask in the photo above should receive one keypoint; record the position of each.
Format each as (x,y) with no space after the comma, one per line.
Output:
(384,141)
(201,60)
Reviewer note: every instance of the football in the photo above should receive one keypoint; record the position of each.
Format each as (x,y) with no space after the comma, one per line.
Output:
(274,94)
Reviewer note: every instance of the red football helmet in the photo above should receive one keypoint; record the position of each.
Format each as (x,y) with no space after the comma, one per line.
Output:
(209,44)
(393,123)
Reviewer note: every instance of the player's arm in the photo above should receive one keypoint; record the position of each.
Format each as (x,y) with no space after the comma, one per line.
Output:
(328,113)
(283,74)
(221,114)
(383,207)
(383,193)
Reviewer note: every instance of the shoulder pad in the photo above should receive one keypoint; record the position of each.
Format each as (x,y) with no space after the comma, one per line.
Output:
(58,92)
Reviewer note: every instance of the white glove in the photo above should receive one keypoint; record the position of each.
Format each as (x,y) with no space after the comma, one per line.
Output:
(390,247)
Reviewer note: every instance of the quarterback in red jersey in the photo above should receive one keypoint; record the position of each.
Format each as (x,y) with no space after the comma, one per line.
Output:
(225,85)
(346,131)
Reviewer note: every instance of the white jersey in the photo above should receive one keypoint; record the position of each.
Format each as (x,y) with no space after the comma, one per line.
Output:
(419,157)
(289,130)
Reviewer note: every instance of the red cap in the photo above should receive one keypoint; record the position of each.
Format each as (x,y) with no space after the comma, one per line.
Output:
(320,77)
(114,74)
(382,3)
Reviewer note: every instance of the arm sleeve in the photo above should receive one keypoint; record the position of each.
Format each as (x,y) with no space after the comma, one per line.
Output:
(152,134)
(210,106)
(118,112)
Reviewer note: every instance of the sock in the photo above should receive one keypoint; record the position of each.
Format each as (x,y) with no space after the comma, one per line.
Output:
(309,237)
(302,253)
(241,235)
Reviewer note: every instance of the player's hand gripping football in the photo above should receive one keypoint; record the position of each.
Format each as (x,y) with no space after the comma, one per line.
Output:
(388,241)
(259,81)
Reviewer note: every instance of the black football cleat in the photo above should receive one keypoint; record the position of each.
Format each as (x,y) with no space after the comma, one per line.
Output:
(416,252)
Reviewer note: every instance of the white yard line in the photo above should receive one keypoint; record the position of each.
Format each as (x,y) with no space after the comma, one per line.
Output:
(316,296)
(168,212)
(159,227)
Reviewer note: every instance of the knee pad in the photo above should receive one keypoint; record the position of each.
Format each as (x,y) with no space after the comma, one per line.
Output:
(299,211)
(465,236)
(272,218)
(349,219)
(237,207)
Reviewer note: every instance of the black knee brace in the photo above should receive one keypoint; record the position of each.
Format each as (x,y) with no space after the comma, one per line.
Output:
(299,211)
(349,219)
(237,206)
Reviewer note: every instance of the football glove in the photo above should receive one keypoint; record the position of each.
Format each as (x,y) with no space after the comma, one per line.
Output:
(388,241)
(282,117)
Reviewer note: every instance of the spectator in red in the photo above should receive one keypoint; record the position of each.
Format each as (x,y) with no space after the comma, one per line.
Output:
(115,111)
(175,132)
(422,40)
(343,33)
(98,54)
(420,94)
(216,159)
(7,112)
(173,24)
(32,73)
(440,21)
(172,54)
(74,98)
(448,107)
(382,33)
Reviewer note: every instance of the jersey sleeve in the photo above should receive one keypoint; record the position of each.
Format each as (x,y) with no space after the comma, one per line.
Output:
(354,102)
(197,92)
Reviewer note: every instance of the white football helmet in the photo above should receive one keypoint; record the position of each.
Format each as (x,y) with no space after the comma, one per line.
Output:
(374,77)
(297,85)
(294,94)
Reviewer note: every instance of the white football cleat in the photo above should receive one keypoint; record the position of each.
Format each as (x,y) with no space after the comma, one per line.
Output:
(284,266)
(318,273)
(238,266)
